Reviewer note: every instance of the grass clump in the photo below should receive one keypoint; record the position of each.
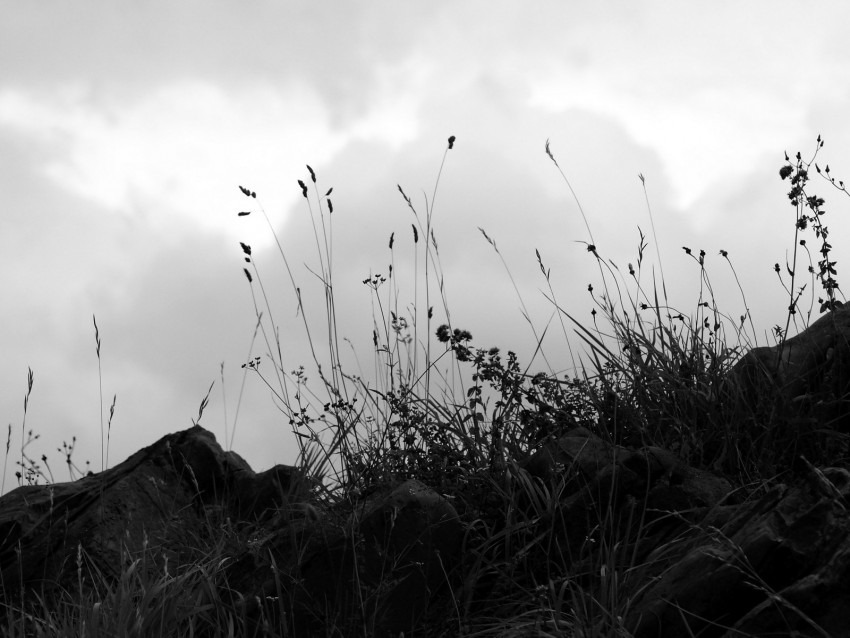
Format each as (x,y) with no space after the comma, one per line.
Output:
(466,421)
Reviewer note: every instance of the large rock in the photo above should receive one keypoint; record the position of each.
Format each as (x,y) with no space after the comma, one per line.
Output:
(163,496)
(809,367)
(780,566)
(413,540)
(599,476)
(376,564)
(387,564)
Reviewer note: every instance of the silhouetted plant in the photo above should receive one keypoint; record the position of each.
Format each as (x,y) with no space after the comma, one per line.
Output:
(466,420)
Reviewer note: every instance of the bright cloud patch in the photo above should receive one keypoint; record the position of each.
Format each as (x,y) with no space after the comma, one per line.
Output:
(183,150)
(703,139)
(703,136)
(696,86)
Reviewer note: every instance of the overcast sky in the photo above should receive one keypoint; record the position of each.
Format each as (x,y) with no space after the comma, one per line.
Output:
(126,129)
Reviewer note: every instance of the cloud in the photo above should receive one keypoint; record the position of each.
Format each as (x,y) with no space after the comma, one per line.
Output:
(695,86)
(175,155)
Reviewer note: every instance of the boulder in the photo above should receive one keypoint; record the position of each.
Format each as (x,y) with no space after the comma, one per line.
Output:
(577,451)
(809,367)
(778,566)
(388,563)
(598,474)
(413,540)
(168,495)
(377,564)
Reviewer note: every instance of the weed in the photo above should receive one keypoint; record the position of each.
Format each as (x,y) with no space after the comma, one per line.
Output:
(545,553)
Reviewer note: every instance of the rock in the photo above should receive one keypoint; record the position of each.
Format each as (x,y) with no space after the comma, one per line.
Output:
(412,539)
(699,558)
(577,449)
(397,553)
(598,472)
(163,496)
(642,498)
(677,487)
(778,564)
(381,565)
(812,365)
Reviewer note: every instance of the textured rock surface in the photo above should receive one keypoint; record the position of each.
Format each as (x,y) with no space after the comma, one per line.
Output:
(398,551)
(162,495)
(601,472)
(717,567)
(413,538)
(811,366)
(176,494)
(780,564)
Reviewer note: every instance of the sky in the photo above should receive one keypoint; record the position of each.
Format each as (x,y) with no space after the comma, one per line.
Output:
(127,128)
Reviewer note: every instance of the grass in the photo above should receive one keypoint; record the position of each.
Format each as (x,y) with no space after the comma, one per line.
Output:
(463,420)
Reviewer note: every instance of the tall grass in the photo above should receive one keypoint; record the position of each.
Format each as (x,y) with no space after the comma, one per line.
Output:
(465,419)
(651,374)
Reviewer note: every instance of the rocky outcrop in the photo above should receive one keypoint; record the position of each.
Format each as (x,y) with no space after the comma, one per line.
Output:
(705,558)
(385,565)
(715,564)
(602,475)
(161,496)
(171,503)
(779,566)
(809,370)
